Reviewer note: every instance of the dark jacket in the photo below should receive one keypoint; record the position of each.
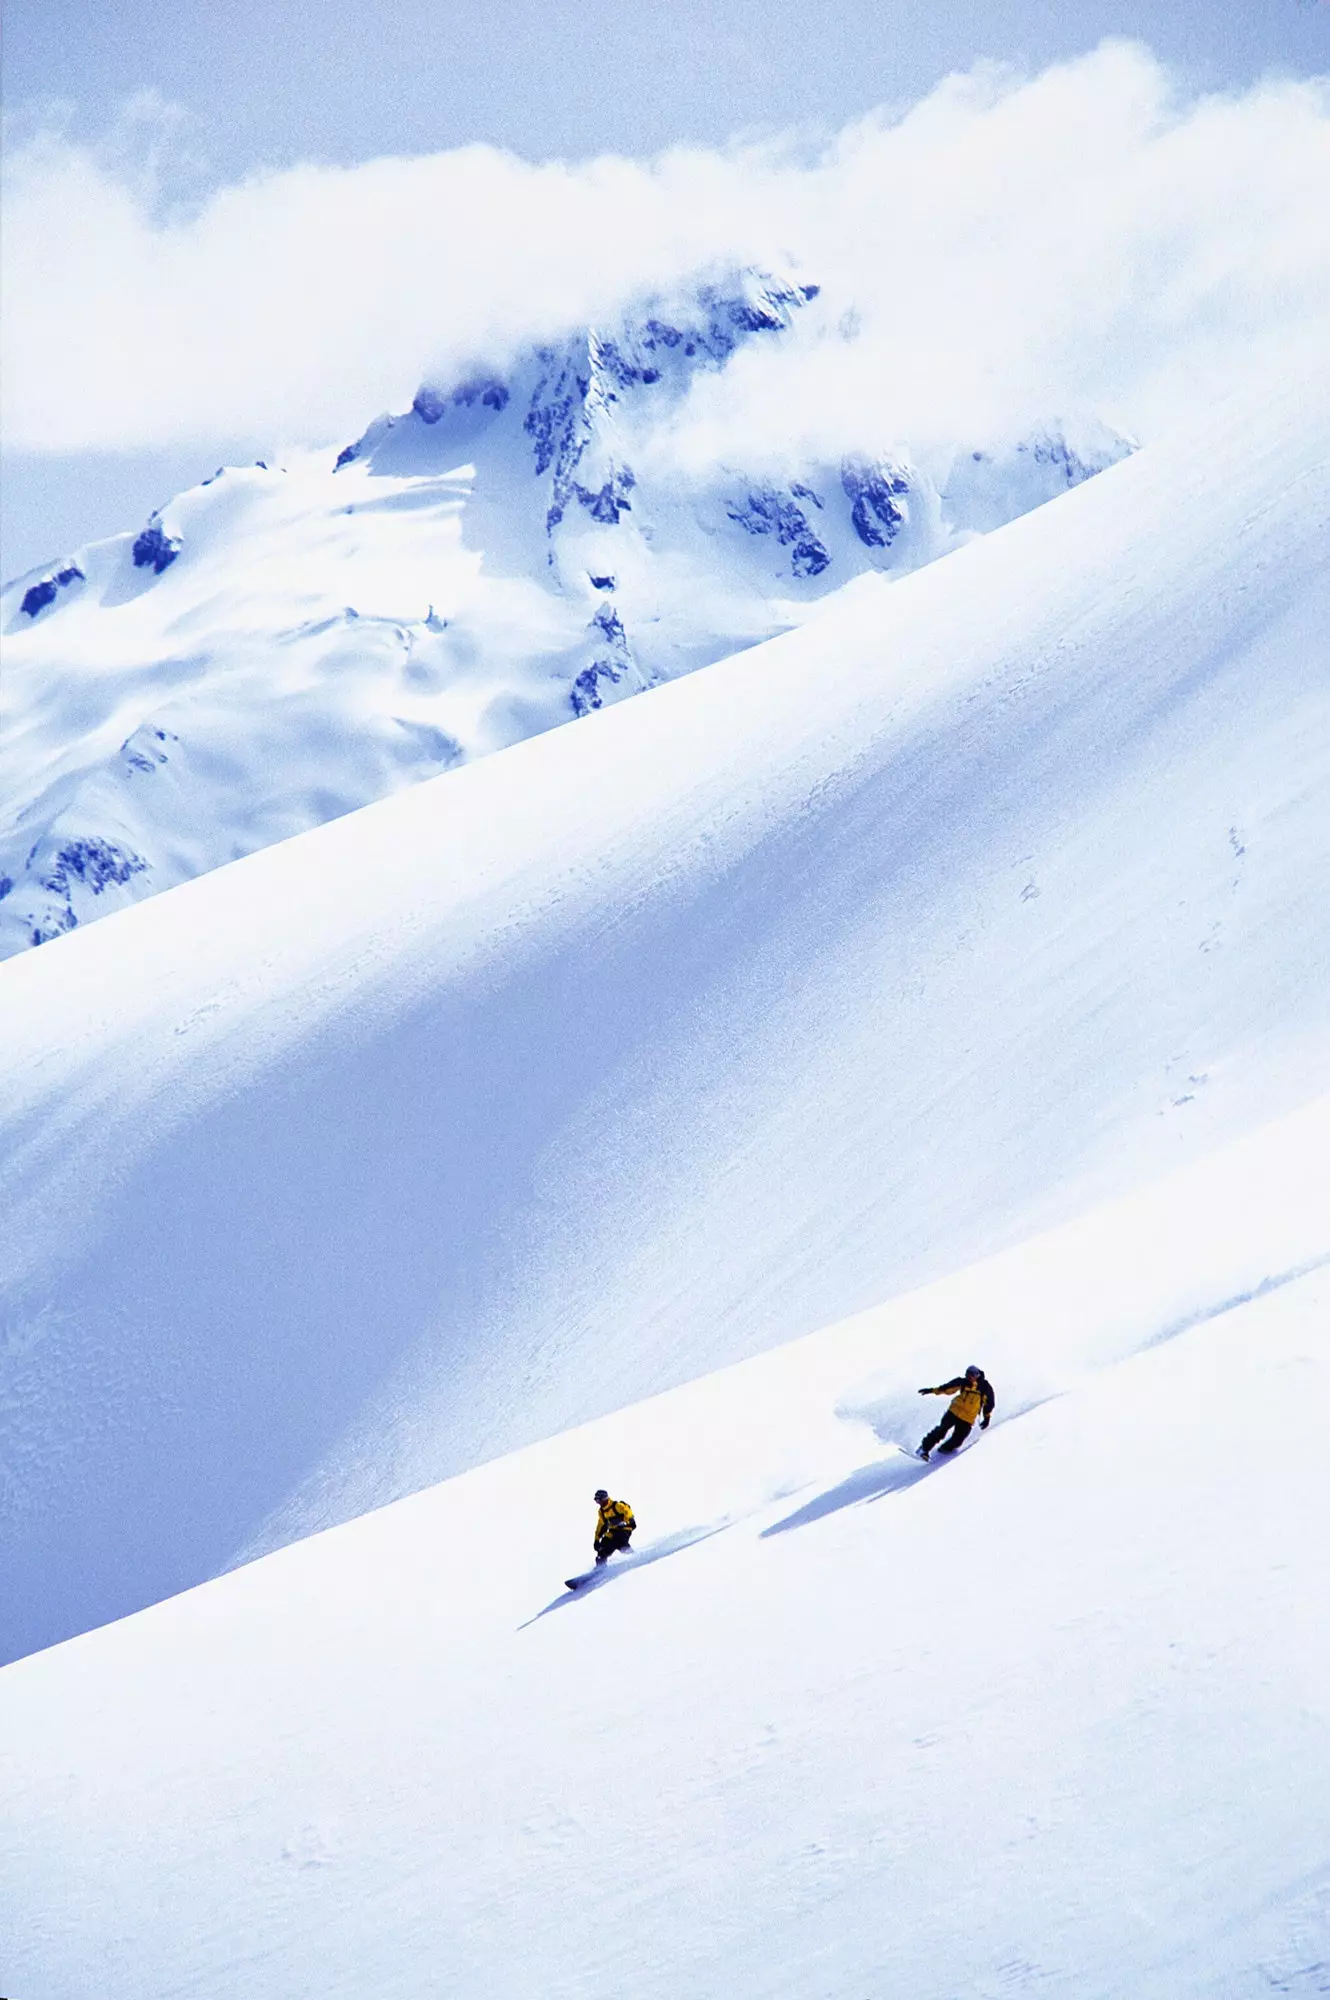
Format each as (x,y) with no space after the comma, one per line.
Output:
(969,1400)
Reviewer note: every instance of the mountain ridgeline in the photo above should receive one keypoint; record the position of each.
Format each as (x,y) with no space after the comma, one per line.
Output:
(280,645)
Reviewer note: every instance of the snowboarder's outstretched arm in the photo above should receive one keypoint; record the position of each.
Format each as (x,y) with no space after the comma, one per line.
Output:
(972,1395)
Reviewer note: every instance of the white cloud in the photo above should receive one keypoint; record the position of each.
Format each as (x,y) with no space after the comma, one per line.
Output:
(1008,249)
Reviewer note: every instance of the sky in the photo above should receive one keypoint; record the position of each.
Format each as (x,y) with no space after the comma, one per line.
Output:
(145,168)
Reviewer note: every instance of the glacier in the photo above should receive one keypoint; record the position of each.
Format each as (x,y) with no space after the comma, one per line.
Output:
(517,550)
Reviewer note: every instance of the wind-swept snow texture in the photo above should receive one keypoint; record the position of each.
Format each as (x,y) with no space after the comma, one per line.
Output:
(651,1043)
(1052,1719)
(282,644)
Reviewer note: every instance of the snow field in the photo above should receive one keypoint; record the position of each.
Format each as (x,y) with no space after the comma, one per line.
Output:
(646,1045)
(1050,1718)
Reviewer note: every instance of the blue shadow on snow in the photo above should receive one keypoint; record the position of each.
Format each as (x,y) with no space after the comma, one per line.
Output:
(687,1538)
(870,1482)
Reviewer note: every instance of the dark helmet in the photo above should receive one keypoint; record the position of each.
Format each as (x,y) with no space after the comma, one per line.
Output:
(974,1369)
(601,1496)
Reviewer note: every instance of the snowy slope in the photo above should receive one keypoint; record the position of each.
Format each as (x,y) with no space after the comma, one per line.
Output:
(648,1044)
(1052,1718)
(284,643)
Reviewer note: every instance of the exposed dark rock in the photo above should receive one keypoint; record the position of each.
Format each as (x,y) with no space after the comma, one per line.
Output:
(145,749)
(552,420)
(585,692)
(94,864)
(769,512)
(154,548)
(612,499)
(873,490)
(613,659)
(580,381)
(1056,451)
(39,595)
(486,389)
(54,927)
(430,403)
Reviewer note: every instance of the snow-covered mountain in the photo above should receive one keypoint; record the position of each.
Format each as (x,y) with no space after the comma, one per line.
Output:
(662,1103)
(989,894)
(284,643)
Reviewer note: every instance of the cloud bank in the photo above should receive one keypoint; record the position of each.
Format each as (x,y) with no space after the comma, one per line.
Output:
(1009,248)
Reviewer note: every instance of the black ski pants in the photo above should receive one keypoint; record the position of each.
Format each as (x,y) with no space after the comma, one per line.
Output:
(618,1538)
(957,1425)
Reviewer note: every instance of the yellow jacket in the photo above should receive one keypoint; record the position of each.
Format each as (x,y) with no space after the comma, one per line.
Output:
(970,1400)
(615,1517)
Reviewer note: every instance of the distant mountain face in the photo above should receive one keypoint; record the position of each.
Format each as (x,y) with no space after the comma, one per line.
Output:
(282,644)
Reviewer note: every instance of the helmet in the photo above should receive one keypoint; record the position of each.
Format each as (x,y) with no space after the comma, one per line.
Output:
(601,1496)
(974,1369)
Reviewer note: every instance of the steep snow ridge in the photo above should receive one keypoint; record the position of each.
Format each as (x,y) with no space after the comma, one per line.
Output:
(652,1043)
(512,553)
(1070,1686)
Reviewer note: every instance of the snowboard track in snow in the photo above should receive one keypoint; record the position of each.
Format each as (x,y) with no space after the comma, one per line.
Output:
(654,1552)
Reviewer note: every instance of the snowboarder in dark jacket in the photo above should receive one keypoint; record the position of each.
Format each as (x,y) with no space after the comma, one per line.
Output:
(971,1396)
(614,1525)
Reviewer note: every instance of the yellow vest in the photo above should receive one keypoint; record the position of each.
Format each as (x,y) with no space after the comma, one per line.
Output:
(967,1404)
(614,1514)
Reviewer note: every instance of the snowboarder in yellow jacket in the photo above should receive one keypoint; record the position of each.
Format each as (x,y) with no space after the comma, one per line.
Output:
(971,1396)
(614,1525)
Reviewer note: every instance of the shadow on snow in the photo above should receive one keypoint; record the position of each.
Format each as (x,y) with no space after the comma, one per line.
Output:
(870,1482)
(594,1579)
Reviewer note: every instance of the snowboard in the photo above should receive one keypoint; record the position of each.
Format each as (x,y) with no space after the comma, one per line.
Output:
(591,1575)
